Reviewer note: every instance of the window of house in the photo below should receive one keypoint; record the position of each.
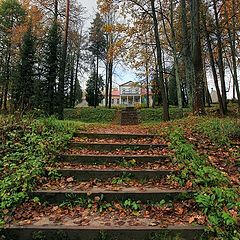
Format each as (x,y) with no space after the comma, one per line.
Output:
(118,101)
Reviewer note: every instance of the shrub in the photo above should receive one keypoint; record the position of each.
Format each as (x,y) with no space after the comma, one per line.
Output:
(215,196)
(90,115)
(220,131)
(156,114)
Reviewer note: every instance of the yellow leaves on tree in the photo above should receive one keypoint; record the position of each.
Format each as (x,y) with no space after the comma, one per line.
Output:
(105,6)
(34,17)
(114,28)
(114,49)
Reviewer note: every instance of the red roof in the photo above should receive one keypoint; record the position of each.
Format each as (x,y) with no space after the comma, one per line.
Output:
(115,93)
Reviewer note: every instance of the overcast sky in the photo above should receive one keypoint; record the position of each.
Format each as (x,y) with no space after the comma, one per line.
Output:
(89,4)
(91,8)
(121,75)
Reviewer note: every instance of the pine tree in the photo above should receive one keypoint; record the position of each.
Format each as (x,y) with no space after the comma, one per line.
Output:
(12,16)
(61,83)
(97,38)
(78,93)
(52,67)
(97,46)
(94,90)
(24,84)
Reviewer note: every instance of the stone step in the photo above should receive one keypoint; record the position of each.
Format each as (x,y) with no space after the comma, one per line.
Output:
(101,159)
(114,135)
(146,195)
(59,232)
(129,114)
(124,123)
(129,117)
(85,175)
(114,146)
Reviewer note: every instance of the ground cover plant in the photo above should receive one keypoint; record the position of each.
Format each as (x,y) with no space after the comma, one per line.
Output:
(26,147)
(90,115)
(215,196)
(154,115)
(222,132)
(105,115)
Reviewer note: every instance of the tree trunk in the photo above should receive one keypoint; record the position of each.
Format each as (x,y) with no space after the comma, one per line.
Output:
(76,79)
(147,72)
(5,96)
(160,66)
(63,64)
(1,97)
(176,66)
(220,58)
(107,84)
(232,40)
(110,75)
(147,83)
(187,54)
(208,99)
(6,85)
(213,67)
(198,86)
(96,83)
(53,68)
(71,94)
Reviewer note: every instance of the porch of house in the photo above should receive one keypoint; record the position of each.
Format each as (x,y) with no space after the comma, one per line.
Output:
(130,100)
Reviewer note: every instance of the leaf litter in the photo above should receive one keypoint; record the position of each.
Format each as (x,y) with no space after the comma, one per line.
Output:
(161,215)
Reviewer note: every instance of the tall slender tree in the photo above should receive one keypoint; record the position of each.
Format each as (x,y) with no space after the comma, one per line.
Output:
(97,45)
(52,59)
(198,84)
(24,84)
(166,116)
(12,15)
(63,63)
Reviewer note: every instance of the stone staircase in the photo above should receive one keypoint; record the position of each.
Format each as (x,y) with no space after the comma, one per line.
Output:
(74,222)
(129,116)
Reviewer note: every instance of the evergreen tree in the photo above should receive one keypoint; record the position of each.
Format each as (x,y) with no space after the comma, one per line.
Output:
(97,47)
(12,15)
(97,38)
(52,62)
(24,84)
(61,94)
(94,90)
(78,93)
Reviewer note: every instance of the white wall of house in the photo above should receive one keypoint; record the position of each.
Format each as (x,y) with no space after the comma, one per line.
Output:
(129,95)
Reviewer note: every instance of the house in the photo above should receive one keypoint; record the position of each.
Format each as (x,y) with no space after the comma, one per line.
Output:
(129,94)
(214,96)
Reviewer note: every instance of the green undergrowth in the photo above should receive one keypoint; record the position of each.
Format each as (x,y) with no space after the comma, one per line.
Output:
(26,147)
(221,131)
(106,115)
(215,196)
(90,115)
(155,115)
(99,203)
